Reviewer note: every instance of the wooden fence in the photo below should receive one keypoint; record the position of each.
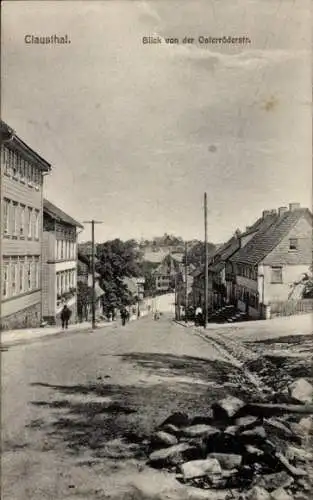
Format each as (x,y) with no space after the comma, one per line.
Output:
(291,307)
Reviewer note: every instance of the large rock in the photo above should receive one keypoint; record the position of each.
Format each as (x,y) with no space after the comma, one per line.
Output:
(171,429)
(177,419)
(203,419)
(305,425)
(294,453)
(274,426)
(301,390)
(246,423)
(253,451)
(200,468)
(174,455)
(161,439)
(227,408)
(294,471)
(281,494)
(273,481)
(227,461)
(231,430)
(200,430)
(255,435)
(257,493)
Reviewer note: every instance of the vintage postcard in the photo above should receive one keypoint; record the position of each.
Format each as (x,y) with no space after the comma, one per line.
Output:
(156,250)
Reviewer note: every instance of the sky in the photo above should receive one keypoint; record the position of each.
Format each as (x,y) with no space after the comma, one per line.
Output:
(136,133)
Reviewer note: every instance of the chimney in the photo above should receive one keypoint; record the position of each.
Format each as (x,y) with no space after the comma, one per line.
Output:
(282,210)
(294,206)
(265,213)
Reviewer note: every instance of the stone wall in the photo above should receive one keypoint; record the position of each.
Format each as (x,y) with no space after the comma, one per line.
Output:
(26,318)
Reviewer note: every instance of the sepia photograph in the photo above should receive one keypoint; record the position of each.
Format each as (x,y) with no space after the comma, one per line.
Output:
(156,250)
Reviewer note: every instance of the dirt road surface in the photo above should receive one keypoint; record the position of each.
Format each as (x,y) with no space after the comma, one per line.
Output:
(75,407)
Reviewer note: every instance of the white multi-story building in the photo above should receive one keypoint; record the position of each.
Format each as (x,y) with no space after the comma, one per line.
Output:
(59,262)
(22,173)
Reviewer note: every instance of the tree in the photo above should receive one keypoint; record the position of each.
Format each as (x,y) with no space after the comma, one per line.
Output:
(117,260)
(196,255)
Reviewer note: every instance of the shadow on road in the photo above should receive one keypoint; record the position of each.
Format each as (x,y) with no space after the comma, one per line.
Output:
(170,365)
(91,416)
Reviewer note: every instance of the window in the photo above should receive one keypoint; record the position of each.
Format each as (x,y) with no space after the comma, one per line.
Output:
(58,284)
(22,220)
(21,275)
(29,274)
(13,277)
(14,218)
(37,178)
(293,244)
(62,249)
(36,221)
(277,274)
(6,214)
(23,169)
(33,274)
(5,280)
(29,221)
(37,273)
(5,160)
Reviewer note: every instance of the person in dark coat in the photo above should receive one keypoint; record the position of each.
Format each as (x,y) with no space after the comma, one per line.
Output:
(65,316)
(123,315)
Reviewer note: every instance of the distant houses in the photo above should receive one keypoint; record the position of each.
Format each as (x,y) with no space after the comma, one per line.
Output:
(167,272)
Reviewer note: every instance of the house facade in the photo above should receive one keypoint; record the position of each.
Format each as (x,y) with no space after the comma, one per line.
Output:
(59,262)
(167,272)
(22,177)
(266,269)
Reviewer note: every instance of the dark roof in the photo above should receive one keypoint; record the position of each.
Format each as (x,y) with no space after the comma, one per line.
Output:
(58,214)
(273,230)
(216,268)
(13,141)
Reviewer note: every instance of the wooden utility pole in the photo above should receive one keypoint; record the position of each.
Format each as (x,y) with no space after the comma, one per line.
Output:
(206,265)
(186,290)
(176,315)
(93,271)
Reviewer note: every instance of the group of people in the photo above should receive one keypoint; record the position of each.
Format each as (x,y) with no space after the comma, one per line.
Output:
(124,314)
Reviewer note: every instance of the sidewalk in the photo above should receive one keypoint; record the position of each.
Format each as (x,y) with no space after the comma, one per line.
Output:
(10,337)
(301,324)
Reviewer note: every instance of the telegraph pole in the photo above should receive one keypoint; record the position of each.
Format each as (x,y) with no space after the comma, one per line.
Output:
(93,271)
(186,291)
(206,265)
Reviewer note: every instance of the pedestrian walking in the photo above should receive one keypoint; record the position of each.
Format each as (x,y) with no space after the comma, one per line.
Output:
(198,316)
(123,314)
(65,316)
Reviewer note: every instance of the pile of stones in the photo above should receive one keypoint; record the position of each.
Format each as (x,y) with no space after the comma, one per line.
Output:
(247,454)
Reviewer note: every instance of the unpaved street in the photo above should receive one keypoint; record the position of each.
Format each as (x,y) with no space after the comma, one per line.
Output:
(74,408)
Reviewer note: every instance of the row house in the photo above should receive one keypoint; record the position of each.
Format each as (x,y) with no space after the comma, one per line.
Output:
(224,287)
(22,177)
(59,262)
(264,272)
(217,290)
